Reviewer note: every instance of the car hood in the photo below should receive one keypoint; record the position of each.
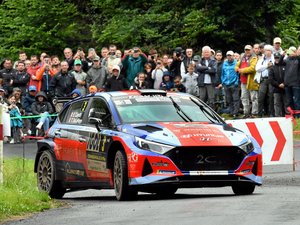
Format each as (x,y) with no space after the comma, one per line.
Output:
(187,134)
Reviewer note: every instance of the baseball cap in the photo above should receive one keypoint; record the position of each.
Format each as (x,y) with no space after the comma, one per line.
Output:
(229,53)
(291,50)
(97,58)
(277,40)
(248,47)
(1,89)
(196,58)
(77,62)
(277,55)
(32,88)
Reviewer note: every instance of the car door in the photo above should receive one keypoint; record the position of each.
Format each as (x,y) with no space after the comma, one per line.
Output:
(67,140)
(97,140)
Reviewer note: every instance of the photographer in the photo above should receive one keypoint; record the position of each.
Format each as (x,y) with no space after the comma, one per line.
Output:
(112,60)
(44,75)
(81,56)
(133,64)
(157,74)
(176,64)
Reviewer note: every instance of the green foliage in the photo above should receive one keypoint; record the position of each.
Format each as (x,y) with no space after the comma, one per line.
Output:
(40,25)
(36,25)
(19,193)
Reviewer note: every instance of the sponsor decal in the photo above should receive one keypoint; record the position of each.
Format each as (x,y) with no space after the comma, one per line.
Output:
(202,173)
(161,163)
(96,165)
(166,172)
(75,172)
(133,157)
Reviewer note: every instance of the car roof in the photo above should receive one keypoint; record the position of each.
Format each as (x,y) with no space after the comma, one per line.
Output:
(148,92)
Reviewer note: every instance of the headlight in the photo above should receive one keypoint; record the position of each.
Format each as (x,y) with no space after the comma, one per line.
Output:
(247,147)
(152,146)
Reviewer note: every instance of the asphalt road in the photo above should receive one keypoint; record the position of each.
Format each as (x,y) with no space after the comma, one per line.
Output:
(276,202)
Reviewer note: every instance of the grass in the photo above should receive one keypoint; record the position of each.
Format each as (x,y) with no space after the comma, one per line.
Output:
(19,194)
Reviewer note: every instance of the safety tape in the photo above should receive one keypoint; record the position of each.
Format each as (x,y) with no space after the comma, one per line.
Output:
(36,116)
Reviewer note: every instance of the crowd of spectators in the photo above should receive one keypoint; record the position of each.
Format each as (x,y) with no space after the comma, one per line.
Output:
(262,81)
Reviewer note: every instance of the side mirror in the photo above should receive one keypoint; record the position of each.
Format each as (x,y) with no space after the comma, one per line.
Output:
(96,121)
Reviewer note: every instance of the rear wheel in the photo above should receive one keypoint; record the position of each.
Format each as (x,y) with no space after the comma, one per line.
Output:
(122,189)
(46,176)
(243,188)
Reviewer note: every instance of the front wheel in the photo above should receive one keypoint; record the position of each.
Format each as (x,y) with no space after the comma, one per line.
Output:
(120,174)
(243,188)
(46,176)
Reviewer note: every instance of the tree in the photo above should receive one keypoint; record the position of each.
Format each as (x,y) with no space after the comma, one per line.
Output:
(35,26)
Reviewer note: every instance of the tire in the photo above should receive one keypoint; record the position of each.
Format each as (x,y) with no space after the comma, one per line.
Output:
(120,174)
(243,188)
(46,176)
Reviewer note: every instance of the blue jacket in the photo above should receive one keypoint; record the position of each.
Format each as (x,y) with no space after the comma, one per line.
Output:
(228,75)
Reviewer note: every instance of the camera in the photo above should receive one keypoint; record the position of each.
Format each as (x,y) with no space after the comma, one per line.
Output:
(178,54)
(47,61)
(152,57)
(135,51)
(112,53)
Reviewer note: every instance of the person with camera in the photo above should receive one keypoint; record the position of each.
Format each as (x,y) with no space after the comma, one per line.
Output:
(175,67)
(265,91)
(157,73)
(44,75)
(80,55)
(112,60)
(133,64)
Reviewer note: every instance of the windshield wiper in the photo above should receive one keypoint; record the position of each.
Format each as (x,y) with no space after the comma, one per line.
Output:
(179,111)
(211,114)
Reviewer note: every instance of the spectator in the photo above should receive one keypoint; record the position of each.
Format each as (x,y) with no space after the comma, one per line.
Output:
(246,68)
(178,86)
(230,82)
(276,77)
(207,79)
(7,75)
(44,75)
(157,74)
(79,76)
(277,45)
(134,64)
(91,56)
(21,78)
(140,82)
(256,50)
(16,123)
(97,74)
(118,53)
(166,84)
(165,59)
(22,58)
(104,55)
(76,93)
(42,108)
(112,59)
(292,78)
(3,99)
(93,89)
(187,60)
(63,83)
(27,102)
(27,64)
(189,80)
(265,91)
(176,62)
(117,82)
(152,57)
(80,55)
(32,71)
(68,53)
(148,72)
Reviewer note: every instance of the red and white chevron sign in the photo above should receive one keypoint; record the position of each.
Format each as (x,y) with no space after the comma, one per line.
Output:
(274,135)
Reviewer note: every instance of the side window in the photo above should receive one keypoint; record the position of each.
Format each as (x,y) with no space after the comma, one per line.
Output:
(100,110)
(76,112)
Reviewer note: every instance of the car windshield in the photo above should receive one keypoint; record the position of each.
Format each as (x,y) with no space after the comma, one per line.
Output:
(137,109)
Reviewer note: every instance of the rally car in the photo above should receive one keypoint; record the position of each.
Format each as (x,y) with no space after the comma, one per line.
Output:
(144,140)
